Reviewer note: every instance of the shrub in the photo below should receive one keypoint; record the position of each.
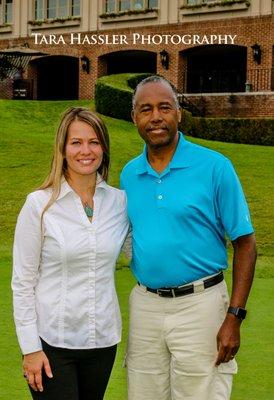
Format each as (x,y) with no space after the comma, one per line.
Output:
(113,94)
(112,101)
(134,80)
(237,130)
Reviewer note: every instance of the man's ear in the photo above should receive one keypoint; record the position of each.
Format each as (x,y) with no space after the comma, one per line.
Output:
(179,113)
(133,117)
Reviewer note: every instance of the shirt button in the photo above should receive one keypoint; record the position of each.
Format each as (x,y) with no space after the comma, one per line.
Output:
(159,180)
(160,197)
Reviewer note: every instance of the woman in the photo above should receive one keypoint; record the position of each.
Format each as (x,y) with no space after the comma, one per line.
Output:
(67,239)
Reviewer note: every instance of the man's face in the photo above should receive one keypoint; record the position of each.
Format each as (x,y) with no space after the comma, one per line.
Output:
(156,114)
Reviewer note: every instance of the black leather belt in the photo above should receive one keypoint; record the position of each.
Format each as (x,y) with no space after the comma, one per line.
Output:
(196,287)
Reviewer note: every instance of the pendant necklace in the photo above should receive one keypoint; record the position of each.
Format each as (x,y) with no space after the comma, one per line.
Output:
(88,210)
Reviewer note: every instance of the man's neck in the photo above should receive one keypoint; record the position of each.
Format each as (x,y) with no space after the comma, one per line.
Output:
(160,157)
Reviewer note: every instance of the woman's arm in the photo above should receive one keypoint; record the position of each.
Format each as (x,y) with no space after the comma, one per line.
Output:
(26,261)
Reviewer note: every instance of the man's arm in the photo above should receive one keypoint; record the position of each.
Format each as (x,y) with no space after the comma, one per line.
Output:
(244,259)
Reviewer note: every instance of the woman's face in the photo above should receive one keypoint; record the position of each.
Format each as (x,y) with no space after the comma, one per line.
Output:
(83,151)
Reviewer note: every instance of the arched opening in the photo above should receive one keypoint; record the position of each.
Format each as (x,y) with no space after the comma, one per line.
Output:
(215,69)
(57,77)
(129,61)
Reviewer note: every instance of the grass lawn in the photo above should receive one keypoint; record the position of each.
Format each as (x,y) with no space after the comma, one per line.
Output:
(26,136)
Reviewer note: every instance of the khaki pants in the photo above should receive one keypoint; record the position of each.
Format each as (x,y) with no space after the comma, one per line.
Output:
(172,346)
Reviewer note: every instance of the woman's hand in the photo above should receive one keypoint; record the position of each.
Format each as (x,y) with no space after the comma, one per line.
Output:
(33,365)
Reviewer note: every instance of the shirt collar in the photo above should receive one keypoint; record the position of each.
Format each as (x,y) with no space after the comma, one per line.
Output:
(66,188)
(181,158)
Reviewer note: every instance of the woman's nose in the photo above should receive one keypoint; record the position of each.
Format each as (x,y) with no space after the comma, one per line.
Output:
(85,148)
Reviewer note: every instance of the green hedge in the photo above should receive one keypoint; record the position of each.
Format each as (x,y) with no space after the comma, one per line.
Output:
(237,130)
(134,80)
(113,94)
(113,102)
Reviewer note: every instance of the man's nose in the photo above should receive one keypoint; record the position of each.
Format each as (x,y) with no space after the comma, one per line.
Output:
(156,114)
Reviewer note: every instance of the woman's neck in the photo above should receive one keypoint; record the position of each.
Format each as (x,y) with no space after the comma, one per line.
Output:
(83,185)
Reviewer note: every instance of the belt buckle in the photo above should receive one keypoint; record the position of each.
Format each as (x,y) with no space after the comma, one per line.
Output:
(198,287)
(166,292)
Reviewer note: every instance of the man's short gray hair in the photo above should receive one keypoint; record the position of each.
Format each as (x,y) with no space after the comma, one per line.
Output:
(155,79)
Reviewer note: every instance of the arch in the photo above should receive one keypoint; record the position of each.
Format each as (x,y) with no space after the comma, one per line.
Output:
(57,77)
(128,61)
(213,69)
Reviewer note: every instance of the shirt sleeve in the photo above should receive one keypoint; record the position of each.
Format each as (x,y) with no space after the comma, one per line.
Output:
(231,203)
(122,186)
(26,260)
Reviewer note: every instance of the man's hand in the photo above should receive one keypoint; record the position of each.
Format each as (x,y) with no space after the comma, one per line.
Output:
(228,339)
(244,258)
(33,365)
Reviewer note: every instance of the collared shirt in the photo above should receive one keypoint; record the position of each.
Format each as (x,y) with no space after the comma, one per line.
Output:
(63,274)
(180,217)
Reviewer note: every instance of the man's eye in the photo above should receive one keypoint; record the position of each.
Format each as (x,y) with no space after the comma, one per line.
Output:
(165,108)
(144,110)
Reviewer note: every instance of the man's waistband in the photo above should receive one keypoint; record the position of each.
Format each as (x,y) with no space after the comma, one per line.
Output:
(196,287)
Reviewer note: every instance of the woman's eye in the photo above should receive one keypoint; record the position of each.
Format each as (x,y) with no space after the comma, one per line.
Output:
(75,142)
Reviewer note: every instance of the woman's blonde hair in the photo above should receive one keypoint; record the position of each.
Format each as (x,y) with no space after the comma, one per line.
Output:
(58,164)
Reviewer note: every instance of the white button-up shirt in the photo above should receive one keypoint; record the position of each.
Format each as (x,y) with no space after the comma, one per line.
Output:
(63,274)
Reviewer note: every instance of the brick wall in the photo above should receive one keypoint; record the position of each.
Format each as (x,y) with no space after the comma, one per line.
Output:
(235,105)
(249,31)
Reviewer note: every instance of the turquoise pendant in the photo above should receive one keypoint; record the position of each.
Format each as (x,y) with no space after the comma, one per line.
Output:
(88,211)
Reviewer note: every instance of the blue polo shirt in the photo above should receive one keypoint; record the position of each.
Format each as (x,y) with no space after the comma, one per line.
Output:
(180,217)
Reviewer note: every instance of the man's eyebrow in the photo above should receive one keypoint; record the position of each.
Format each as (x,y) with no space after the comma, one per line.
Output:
(159,104)
(163,103)
(144,104)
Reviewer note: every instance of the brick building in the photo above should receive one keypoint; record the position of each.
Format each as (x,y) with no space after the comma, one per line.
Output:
(218,53)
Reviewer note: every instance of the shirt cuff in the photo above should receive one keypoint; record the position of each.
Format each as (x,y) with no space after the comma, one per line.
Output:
(28,338)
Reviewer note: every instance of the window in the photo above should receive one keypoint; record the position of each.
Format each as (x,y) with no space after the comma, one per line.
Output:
(39,11)
(75,8)
(196,2)
(127,5)
(124,5)
(51,9)
(110,6)
(1,12)
(63,8)
(8,11)
(138,4)
(152,3)
(5,12)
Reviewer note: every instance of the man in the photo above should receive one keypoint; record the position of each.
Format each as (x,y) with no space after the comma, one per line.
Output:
(182,201)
